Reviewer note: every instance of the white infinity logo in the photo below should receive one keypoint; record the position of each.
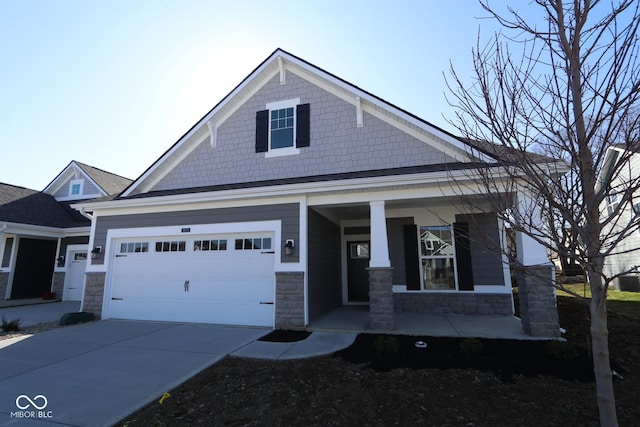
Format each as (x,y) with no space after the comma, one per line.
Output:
(31,402)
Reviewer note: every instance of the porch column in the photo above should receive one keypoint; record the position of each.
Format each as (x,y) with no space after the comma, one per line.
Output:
(536,276)
(380,271)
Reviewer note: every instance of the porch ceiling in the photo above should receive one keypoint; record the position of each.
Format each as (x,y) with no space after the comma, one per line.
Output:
(355,211)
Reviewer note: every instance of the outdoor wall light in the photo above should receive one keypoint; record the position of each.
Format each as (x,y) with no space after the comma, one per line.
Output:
(288,247)
(95,251)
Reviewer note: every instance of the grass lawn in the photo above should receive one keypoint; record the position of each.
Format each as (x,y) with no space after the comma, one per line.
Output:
(625,303)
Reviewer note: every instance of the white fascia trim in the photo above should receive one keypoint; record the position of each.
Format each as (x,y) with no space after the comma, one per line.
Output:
(76,231)
(203,203)
(292,192)
(73,169)
(356,96)
(33,230)
(82,197)
(246,89)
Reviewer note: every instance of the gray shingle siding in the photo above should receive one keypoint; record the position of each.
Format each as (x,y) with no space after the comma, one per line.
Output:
(337,144)
(325,290)
(289,214)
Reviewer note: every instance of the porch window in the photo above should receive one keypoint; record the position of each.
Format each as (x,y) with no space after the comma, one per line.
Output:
(436,257)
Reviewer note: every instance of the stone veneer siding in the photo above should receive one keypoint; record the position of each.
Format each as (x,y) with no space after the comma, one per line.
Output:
(453,303)
(4,282)
(58,284)
(93,294)
(289,300)
(538,308)
(381,303)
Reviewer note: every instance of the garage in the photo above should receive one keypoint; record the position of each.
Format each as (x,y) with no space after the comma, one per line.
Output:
(214,278)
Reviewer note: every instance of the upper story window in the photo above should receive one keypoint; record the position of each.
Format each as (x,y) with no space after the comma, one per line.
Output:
(611,203)
(283,128)
(75,187)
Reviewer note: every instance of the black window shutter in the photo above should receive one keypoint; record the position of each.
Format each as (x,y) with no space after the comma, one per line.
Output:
(463,256)
(411,261)
(303,134)
(262,131)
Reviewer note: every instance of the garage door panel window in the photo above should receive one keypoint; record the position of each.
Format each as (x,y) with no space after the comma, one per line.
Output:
(253,244)
(210,245)
(134,247)
(171,246)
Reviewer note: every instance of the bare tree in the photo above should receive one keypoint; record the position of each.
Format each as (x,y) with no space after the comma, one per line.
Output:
(566,88)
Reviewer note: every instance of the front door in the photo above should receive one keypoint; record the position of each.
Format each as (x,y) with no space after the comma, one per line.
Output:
(74,279)
(357,274)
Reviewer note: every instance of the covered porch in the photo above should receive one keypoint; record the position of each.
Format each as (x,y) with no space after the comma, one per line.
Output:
(422,265)
(356,319)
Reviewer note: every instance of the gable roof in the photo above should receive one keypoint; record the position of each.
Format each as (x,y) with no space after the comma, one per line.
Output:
(25,206)
(279,63)
(108,183)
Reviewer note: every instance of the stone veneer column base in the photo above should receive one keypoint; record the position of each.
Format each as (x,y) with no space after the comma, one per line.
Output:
(289,300)
(381,298)
(4,283)
(58,284)
(94,294)
(538,308)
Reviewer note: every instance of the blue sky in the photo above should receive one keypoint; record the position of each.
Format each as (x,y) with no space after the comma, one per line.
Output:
(115,83)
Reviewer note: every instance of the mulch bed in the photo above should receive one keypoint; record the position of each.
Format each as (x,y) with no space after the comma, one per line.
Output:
(388,381)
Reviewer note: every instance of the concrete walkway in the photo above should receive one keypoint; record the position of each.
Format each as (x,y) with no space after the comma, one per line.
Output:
(33,314)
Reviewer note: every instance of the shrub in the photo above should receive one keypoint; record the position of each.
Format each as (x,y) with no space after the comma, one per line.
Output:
(471,346)
(560,350)
(11,326)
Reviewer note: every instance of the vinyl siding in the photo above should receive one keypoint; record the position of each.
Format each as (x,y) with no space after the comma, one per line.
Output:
(395,237)
(337,145)
(287,213)
(324,265)
(622,262)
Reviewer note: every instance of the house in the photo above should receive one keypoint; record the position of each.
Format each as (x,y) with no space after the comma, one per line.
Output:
(624,262)
(43,241)
(296,194)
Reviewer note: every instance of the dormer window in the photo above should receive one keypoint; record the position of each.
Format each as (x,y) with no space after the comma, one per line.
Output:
(75,187)
(282,128)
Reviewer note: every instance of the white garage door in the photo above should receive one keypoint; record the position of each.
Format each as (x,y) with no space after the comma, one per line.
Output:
(225,279)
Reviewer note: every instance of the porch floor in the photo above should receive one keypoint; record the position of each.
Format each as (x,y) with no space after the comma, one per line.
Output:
(356,319)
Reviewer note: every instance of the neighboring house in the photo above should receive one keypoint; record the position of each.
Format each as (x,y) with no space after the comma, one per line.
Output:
(626,259)
(297,194)
(43,241)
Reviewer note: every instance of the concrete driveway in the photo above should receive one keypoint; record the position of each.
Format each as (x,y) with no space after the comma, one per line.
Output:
(98,373)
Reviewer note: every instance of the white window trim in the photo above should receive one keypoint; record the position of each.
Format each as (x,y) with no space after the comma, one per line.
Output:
(452,256)
(73,182)
(279,105)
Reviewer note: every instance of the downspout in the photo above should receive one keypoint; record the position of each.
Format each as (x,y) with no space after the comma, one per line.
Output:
(84,213)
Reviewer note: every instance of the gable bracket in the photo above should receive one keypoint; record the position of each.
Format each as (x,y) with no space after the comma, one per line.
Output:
(213,133)
(359,122)
(283,75)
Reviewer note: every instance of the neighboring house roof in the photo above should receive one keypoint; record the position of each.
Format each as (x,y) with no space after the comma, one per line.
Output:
(21,205)
(106,183)
(109,182)
(26,206)
(280,62)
